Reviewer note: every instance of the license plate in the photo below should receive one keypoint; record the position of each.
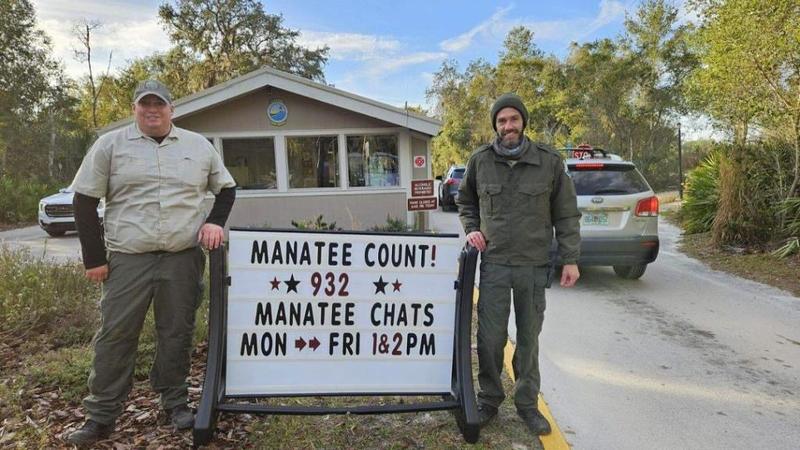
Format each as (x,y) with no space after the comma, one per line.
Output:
(595,218)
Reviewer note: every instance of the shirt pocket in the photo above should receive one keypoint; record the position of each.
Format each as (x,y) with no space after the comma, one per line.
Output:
(490,199)
(535,200)
(128,170)
(193,171)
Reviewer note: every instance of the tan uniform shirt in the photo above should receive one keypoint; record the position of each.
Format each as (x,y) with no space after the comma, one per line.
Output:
(154,192)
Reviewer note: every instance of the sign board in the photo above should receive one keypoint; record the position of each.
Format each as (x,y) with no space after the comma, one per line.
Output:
(421,188)
(337,313)
(419,162)
(422,204)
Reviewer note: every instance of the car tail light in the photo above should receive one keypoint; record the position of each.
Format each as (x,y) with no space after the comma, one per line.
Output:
(647,207)
(589,166)
(451,181)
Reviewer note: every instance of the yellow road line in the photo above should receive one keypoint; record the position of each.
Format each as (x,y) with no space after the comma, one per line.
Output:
(554,440)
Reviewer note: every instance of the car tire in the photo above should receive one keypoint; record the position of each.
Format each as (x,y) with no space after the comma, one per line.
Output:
(55,233)
(630,272)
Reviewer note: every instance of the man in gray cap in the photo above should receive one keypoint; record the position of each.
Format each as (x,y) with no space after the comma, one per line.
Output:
(154,177)
(514,193)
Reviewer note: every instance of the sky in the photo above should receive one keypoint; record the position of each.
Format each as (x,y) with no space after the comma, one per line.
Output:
(387,51)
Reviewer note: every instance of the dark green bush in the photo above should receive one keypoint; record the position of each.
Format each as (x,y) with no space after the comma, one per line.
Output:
(392,225)
(314,224)
(19,199)
(701,195)
(740,193)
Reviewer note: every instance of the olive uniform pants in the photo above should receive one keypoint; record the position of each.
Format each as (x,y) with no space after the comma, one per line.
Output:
(173,283)
(494,302)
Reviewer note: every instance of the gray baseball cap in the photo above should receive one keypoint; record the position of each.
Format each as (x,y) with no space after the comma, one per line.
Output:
(152,87)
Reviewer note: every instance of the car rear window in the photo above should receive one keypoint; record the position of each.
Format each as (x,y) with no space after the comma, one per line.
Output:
(458,173)
(608,180)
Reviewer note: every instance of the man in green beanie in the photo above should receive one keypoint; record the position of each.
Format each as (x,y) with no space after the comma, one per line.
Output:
(513,195)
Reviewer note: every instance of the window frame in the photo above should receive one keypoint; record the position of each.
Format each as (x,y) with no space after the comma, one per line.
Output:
(337,159)
(374,188)
(281,160)
(221,149)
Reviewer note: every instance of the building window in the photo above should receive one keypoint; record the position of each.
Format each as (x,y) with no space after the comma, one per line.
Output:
(372,161)
(312,161)
(251,161)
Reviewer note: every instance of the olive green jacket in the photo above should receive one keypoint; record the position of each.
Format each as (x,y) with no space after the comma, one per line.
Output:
(516,207)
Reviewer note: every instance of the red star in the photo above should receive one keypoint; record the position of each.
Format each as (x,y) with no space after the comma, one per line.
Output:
(396,285)
(276,283)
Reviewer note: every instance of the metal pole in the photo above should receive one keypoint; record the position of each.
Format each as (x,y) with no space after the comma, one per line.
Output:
(680,164)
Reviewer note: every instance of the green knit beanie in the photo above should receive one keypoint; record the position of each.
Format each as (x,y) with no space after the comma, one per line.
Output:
(509,100)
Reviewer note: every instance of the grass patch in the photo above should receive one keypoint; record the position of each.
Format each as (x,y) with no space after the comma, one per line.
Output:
(63,370)
(40,297)
(756,265)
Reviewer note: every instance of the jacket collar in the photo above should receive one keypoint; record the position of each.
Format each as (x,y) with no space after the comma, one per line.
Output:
(529,156)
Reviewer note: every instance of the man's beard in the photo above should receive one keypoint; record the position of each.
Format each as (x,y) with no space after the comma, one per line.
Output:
(510,140)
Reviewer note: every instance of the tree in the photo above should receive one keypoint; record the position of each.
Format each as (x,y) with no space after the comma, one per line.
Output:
(227,38)
(37,126)
(751,62)
(462,101)
(94,85)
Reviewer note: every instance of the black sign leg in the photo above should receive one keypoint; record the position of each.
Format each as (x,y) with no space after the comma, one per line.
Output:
(467,414)
(205,421)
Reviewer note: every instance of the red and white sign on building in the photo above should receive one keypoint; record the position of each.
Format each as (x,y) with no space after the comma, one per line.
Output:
(420,162)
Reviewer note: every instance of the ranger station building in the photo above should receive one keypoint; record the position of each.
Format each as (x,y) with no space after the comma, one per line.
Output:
(299,149)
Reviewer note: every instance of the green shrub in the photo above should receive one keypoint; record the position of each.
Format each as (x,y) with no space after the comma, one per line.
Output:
(701,195)
(19,199)
(790,212)
(314,224)
(45,297)
(739,193)
(392,225)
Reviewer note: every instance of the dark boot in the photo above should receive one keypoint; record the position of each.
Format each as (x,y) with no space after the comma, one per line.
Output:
(90,433)
(181,417)
(485,414)
(535,421)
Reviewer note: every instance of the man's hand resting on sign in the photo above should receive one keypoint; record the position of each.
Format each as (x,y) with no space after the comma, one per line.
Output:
(210,236)
(476,240)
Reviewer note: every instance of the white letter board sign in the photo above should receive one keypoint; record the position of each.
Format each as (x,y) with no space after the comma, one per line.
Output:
(340,313)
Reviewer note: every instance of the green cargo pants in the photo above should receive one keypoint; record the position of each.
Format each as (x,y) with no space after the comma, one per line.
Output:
(173,283)
(494,301)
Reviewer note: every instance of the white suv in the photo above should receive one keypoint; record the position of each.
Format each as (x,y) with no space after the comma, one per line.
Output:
(56,216)
(619,223)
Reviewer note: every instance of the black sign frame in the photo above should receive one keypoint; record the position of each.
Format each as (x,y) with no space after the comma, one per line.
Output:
(213,400)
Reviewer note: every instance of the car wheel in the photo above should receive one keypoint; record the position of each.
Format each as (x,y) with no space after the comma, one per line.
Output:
(55,233)
(630,272)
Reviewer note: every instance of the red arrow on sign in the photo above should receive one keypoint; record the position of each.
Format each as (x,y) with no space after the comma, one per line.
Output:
(313,343)
(300,343)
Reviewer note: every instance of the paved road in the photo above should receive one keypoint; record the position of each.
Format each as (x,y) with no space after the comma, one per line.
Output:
(40,244)
(686,357)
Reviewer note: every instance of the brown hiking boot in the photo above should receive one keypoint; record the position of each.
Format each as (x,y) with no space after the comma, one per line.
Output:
(181,417)
(90,433)
(535,421)
(486,413)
